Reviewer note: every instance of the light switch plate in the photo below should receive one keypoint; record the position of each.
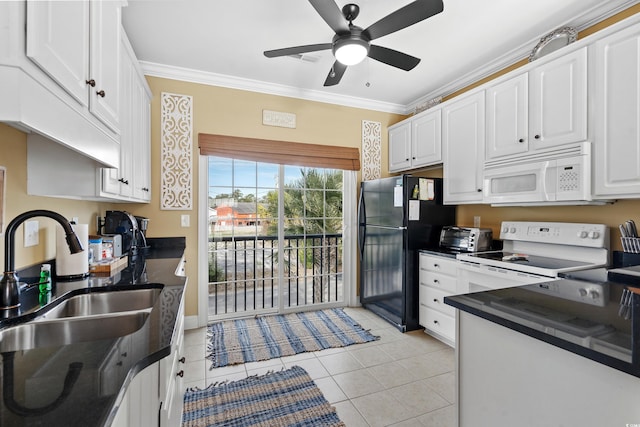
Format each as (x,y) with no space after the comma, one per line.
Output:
(184,220)
(31,234)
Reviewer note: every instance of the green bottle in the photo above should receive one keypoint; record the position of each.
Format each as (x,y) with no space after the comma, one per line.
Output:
(45,279)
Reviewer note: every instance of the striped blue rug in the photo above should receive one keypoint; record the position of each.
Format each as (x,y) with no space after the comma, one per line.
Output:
(287,398)
(267,337)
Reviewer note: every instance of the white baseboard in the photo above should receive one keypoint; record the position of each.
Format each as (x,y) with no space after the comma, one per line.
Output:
(191,322)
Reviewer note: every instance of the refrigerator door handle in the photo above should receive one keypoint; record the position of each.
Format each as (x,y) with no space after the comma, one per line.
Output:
(362,232)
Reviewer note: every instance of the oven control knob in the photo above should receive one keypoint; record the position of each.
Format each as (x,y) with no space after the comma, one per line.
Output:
(594,234)
(505,229)
(512,230)
(582,292)
(594,294)
(582,234)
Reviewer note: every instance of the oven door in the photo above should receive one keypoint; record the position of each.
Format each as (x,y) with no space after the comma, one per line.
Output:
(474,277)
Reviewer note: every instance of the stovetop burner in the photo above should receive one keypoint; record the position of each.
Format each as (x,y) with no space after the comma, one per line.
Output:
(520,259)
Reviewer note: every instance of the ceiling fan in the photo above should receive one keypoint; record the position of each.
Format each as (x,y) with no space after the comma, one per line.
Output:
(351,44)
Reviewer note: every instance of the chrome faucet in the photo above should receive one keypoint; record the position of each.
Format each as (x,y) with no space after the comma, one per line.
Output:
(10,283)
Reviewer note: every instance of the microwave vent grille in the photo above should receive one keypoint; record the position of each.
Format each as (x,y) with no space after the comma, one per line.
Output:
(554,153)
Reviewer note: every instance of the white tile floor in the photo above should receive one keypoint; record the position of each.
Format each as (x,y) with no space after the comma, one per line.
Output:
(400,380)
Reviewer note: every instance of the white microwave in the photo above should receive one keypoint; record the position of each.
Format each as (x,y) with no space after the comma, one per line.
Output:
(559,176)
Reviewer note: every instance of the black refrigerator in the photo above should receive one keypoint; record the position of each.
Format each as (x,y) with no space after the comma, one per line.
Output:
(397,217)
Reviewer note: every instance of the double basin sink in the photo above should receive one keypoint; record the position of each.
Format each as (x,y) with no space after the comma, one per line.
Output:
(83,317)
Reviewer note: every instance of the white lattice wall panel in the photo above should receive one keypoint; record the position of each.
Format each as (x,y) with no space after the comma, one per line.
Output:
(177,152)
(371,149)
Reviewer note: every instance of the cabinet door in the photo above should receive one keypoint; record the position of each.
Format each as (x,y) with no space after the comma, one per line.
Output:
(617,109)
(507,117)
(558,101)
(400,147)
(463,139)
(104,66)
(58,42)
(426,139)
(142,146)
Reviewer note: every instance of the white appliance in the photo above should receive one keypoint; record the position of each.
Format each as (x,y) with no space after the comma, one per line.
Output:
(537,252)
(559,175)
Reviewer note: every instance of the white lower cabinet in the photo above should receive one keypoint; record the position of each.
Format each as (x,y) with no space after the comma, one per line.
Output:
(155,395)
(437,280)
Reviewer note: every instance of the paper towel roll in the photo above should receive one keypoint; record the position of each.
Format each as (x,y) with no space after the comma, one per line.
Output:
(70,265)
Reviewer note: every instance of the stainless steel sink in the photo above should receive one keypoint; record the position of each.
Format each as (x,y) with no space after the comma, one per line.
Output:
(98,303)
(71,330)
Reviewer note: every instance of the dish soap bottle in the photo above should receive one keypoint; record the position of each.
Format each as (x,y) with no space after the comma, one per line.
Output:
(45,279)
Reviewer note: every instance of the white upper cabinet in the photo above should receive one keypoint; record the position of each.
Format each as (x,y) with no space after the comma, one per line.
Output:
(617,114)
(77,43)
(400,147)
(426,138)
(558,101)
(507,117)
(131,181)
(416,142)
(463,142)
(542,108)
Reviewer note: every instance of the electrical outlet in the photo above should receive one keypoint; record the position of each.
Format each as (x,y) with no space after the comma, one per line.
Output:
(476,221)
(31,234)
(184,220)
(74,220)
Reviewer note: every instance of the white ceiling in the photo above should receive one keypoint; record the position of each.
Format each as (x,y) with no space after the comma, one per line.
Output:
(221,42)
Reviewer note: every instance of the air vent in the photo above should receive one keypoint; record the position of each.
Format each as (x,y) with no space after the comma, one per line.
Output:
(305,58)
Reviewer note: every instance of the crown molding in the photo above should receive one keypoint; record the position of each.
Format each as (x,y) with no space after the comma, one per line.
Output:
(585,20)
(213,79)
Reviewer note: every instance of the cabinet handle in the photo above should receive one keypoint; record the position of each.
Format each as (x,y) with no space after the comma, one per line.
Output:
(407,159)
(182,359)
(521,140)
(180,374)
(101,93)
(436,281)
(124,181)
(145,189)
(479,190)
(119,363)
(91,82)
(537,137)
(435,300)
(436,322)
(436,265)
(124,354)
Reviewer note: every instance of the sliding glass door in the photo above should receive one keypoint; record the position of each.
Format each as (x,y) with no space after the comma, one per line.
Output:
(274,237)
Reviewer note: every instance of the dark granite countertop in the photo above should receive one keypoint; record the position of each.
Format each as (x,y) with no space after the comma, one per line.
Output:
(96,373)
(598,332)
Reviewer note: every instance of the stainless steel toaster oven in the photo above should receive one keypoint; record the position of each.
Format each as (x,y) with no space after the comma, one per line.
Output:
(466,239)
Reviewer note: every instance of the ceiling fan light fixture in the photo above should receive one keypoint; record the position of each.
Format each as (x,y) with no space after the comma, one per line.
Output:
(350,51)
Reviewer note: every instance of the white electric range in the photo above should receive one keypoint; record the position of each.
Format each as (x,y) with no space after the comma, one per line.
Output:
(535,252)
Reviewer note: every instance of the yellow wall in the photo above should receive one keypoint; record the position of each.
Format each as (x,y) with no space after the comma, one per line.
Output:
(13,156)
(224,111)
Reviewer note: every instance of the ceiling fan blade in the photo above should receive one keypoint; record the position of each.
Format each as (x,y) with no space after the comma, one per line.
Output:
(393,57)
(336,73)
(297,50)
(404,17)
(331,13)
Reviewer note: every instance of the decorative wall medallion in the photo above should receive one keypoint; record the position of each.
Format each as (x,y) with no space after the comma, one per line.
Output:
(176,184)
(371,149)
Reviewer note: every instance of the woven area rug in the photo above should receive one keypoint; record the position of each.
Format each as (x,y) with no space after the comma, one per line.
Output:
(279,399)
(261,338)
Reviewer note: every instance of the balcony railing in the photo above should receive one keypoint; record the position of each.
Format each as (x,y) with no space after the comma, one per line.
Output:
(244,272)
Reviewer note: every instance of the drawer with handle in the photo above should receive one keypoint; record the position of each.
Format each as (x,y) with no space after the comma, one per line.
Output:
(441,281)
(438,322)
(434,298)
(438,264)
